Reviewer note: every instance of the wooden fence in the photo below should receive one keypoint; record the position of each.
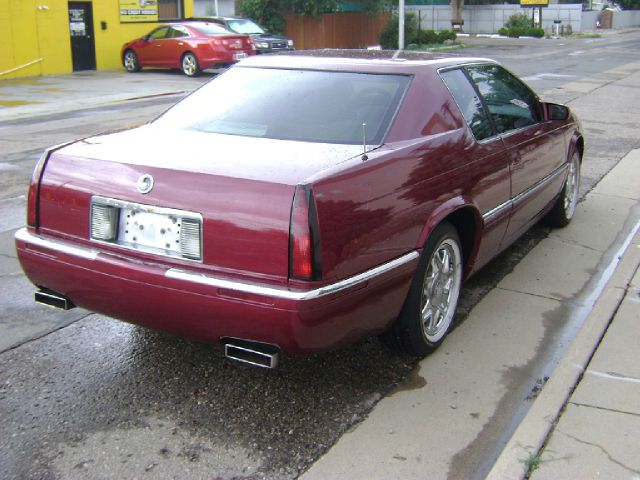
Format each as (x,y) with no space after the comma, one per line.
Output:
(336,30)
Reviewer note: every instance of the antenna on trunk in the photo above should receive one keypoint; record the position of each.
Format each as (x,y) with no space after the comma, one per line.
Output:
(364,142)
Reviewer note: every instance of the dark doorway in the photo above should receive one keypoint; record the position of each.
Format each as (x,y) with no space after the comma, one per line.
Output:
(83,48)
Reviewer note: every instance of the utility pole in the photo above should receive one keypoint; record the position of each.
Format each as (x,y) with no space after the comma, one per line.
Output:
(401,25)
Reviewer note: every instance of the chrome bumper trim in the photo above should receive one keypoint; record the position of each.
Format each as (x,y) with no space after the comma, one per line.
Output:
(288,294)
(87,253)
(195,277)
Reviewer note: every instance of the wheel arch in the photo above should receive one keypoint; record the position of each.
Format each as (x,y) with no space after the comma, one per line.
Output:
(466,219)
(127,50)
(577,144)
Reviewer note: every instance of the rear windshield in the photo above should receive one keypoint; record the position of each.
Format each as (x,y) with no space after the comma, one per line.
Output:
(244,26)
(303,105)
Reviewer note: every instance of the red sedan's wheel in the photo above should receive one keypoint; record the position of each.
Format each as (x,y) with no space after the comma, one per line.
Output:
(429,310)
(130,61)
(190,65)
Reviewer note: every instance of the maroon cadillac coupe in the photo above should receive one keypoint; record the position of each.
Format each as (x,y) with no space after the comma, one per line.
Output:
(299,203)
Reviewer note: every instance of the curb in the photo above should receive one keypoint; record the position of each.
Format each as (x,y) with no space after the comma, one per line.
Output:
(534,430)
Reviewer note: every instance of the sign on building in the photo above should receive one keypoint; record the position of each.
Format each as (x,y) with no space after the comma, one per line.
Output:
(138,11)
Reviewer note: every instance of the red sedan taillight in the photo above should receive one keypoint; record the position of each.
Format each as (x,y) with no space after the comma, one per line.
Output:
(304,236)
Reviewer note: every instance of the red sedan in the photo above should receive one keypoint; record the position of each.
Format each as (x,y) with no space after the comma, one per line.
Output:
(192,47)
(300,203)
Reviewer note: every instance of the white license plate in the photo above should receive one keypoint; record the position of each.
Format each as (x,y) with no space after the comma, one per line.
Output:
(147,229)
(239,56)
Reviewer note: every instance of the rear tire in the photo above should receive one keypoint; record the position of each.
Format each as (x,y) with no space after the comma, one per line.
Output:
(562,211)
(429,310)
(190,65)
(130,61)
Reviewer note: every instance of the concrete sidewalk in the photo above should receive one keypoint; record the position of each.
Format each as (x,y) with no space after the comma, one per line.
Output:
(586,421)
(598,433)
(36,96)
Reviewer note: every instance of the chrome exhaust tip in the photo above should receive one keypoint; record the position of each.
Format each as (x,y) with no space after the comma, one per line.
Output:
(53,299)
(259,354)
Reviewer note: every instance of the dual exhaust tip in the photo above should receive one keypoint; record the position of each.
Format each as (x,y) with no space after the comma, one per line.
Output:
(259,354)
(53,299)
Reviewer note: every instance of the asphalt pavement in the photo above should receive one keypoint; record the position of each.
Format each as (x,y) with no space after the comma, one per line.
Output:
(585,418)
(26,98)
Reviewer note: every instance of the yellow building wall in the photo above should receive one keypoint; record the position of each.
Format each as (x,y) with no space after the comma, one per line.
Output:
(27,38)
(34,36)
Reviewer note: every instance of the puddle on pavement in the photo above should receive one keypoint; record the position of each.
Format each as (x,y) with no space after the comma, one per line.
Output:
(414,382)
(16,103)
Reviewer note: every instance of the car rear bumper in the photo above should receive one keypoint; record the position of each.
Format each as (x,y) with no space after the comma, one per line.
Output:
(193,304)
(217,58)
(273,50)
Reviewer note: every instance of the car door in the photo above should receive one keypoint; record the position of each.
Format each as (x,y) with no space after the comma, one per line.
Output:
(489,166)
(175,45)
(535,147)
(151,50)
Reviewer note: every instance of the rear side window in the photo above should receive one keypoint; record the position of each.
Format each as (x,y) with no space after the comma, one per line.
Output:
(468,102)
(511,103)
(178,32)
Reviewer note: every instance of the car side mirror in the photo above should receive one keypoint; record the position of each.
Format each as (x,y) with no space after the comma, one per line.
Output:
(556,111)
(145,38)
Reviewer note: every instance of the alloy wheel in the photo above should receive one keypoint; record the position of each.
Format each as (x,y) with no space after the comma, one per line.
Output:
(441,288)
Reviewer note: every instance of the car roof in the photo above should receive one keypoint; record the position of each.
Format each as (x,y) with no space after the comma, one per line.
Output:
(360,61)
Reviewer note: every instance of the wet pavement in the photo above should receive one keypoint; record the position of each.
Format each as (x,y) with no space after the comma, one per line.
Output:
(115,400)
(96,398)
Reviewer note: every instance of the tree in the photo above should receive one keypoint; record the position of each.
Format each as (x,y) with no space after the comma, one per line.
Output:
(456,13)
(270,12)
(630,4)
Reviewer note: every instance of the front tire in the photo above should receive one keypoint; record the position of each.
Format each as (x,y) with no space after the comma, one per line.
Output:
(562,211)
(190,65)
(130,61)
(429,310)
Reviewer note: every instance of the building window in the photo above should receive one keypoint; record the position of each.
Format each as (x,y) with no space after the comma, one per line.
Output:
(169,9)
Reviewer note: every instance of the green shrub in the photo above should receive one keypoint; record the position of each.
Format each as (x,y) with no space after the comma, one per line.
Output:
(389,36)
(444,35)
(537,32)
(519,25)
(263,12)
(426,37)
(519,20)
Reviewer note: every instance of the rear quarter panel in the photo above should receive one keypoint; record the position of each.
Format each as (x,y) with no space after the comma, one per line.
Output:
(376,210)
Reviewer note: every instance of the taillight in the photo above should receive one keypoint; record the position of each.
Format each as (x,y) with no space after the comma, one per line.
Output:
(34,187)
(304,237)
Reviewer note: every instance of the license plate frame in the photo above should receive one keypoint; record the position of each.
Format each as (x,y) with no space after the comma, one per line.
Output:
(160,233)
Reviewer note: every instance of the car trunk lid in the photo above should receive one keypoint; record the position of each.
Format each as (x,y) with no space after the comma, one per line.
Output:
(241,187)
